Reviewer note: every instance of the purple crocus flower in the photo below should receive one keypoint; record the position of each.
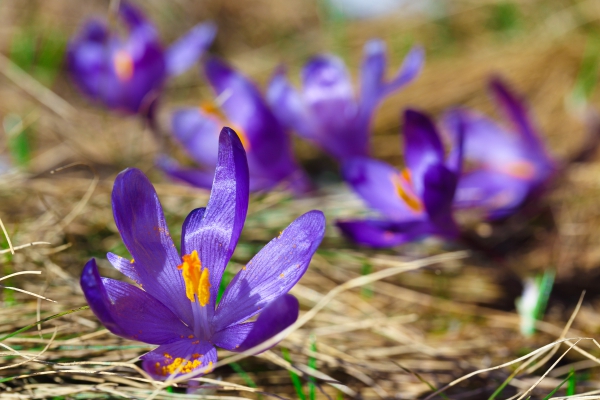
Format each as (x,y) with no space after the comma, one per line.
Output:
(416,201)
(327,112)
(128,73)
(506,164)
(175,304)
(267,144)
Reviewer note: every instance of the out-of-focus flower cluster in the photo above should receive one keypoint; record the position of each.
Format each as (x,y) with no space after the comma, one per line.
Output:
(463,160)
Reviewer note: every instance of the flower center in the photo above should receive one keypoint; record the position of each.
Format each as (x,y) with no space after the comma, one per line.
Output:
(123,64)
(196,279)
(405,190)
(212,110)
(180,365)
(520,169)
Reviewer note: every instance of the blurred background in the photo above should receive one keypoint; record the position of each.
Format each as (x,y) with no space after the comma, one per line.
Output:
(548,50)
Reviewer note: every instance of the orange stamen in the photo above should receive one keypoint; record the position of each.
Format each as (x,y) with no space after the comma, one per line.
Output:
(520,169)
(123,64)
(197,280)
(401,182)
(210,108)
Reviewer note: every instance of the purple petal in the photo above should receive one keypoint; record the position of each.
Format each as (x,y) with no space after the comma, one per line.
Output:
(192,176)
(192,223)
(272,272)
(275,317)
(455,158)
(182,54)
(190,354)
(497,193)
(198,134)
(411,68)
(376,182)
(132,16)
(372,74)
(516,111)
(141,223)
(268,145)
(128,311)
(373,85)
(232,337)
(137,93)
(327,86)
(289,107)
(383,234)
(438,195)
(94,58)
(422,146)
(485,141)
(93,30)
(124,266)
(216,235)
(328,93)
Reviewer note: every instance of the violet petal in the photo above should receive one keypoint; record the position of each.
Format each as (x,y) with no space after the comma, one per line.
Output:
(274,318)
(217,234)
(273,271)
(374,181)
(128,311)
(124,266)
(182,54)
(422,146)
(190,354)
(141,223)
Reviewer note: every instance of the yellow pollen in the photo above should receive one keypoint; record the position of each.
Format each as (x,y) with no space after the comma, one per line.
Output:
(520,169)
(401,180)
(123,64)
(407,175)
(179,365)
(214,111)
(196,279)
(132,261)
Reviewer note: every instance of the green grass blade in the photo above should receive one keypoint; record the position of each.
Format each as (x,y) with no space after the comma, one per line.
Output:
(367,290)
(41,321)
(572,383)
(312,365)
(18,139)
(294,377)
(587,78)
(572,373)
(243,374)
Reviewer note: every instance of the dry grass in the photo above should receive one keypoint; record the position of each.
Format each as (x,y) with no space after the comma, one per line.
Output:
(387,324)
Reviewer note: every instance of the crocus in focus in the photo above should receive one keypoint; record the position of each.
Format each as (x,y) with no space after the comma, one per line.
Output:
(241,106)
(414,202)
(505,165)
(175,305)
(327,111)
(128,73)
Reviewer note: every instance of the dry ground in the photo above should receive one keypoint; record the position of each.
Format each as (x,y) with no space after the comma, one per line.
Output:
(385,324)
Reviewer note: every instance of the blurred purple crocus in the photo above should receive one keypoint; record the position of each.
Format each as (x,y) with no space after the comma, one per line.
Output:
(506,165)
(416,201)
(327,111)
(241,106)
(128,73)
(175,305)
